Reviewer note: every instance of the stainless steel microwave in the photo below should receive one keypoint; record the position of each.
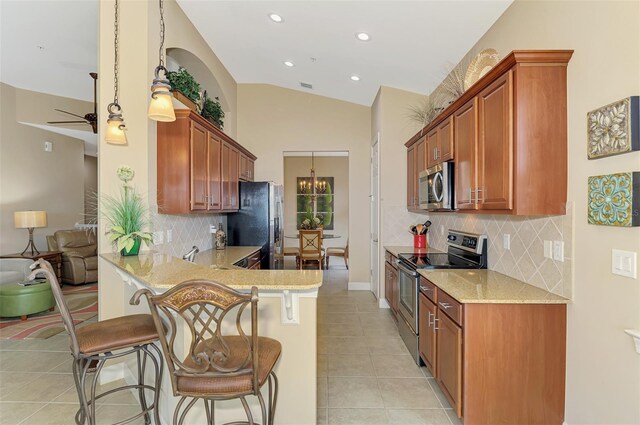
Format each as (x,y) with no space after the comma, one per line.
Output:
(436,187)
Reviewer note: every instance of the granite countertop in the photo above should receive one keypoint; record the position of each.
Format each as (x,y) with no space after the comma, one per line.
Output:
(396,250)
(489,287)
(161,271)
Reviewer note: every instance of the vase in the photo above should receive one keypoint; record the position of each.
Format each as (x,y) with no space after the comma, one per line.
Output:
(135,249)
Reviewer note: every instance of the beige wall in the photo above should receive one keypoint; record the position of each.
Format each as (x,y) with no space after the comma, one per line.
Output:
(603,371)
(273,120)
(90,188)
(325,166)
(32,179)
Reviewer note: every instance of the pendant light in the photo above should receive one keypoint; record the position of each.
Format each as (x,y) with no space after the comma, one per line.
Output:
(161,106)
(115,124)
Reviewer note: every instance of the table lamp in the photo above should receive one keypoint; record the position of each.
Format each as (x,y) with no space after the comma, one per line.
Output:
(30,220)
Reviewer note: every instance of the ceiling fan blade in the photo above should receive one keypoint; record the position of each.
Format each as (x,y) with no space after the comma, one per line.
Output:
(94,75)
(67,122)
(65,112)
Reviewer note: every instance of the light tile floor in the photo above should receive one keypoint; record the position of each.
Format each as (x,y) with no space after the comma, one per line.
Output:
(365,373)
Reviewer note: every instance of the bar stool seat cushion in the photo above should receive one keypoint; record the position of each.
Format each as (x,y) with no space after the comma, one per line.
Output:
(268,353)
(116,333)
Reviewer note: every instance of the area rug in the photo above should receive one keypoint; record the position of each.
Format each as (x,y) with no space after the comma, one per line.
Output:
(82,302)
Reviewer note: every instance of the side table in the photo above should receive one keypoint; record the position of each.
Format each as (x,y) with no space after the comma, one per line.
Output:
(53,257)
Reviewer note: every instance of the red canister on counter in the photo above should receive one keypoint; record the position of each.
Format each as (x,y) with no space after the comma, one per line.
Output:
(419,241)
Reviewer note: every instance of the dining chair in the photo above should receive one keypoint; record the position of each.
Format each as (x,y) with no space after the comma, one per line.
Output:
(292,251)
(96,343)
(339,252)
(222,362)
(311,247)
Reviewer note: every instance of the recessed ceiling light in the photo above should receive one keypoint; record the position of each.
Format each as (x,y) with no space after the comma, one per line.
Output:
(355,78)
(288,63)
(275,17)
(363,36)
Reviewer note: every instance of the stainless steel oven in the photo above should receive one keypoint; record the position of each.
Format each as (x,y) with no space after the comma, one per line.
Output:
(408,287)
(436,187)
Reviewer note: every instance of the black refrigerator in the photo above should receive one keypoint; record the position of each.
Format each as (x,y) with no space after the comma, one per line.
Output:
(259,221)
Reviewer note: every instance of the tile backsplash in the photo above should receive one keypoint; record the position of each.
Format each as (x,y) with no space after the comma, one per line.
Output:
(525,259)
(186,231)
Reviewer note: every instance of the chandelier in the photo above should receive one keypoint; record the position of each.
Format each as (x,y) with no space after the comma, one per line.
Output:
(312,186)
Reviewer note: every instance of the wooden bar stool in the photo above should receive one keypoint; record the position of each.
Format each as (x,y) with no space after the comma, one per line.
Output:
(217,366)
(94,344)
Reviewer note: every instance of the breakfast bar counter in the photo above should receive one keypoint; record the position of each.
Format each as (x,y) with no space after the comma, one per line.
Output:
(287,312)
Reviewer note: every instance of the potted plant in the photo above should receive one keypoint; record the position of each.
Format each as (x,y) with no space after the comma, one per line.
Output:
(212,111)
(126,216)
(184,87)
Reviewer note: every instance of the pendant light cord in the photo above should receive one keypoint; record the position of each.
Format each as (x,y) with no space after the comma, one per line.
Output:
(116,28)
(161,51)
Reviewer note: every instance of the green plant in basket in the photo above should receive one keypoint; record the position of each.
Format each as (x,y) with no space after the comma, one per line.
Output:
(126,215)
(212,111)
(184,82)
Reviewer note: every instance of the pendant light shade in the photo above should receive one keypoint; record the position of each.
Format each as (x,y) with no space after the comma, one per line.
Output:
(115,126)
(161,106)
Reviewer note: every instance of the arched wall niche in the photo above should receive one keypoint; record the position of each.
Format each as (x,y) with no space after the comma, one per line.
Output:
(177,57)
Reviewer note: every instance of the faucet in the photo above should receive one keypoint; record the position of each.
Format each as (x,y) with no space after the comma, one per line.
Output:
(191,255)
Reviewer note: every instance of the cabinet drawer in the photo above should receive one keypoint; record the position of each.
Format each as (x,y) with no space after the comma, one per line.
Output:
(254,259)
(428,289)
(450,307)
(391,259)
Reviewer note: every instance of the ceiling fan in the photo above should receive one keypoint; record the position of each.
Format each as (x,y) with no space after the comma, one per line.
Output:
(92,117)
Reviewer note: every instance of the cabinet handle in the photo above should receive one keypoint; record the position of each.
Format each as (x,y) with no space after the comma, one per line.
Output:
(478,190)
(435,319)
(471,195)
(426,289)
(428,319)
(444,305)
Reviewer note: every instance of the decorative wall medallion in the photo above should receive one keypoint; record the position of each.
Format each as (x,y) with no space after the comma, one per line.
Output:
(614,199)
(614,129)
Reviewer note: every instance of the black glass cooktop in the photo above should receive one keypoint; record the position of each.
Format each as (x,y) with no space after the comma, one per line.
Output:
(438,261)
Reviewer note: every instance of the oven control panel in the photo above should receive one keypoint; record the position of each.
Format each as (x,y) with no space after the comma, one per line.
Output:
(467,241)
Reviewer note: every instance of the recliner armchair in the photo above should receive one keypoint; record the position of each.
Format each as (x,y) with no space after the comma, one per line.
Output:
(79,255)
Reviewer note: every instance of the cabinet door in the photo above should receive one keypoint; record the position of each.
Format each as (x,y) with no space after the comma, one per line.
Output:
(445,140)
(251,169)
(427,332)
(432,148)
(465,133)
(244,167)
(395,289)
(449,360)
(198,168)
(421,157)
(215,173)
(495,145)
(411,180)
(388,288)
(234,173)
(229,162)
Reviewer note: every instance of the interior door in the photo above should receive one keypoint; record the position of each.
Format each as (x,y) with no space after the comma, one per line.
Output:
(375,217)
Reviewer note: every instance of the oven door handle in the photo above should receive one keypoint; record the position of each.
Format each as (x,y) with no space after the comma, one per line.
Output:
(404,269)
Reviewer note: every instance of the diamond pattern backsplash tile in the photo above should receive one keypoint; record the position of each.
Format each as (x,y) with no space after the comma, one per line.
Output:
(395,225)
(525,259)
(186,231)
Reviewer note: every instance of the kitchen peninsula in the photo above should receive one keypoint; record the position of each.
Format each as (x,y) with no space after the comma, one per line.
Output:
(287,312)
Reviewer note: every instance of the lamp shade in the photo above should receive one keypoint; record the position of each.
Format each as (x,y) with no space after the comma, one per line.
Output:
(114,134)
(30,219)
(161,106)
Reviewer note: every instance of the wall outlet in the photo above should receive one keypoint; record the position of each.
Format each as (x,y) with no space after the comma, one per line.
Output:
(506,241)
(624,263)
(558,250)
(548,249)
(158,238)
(48,146)
(169,235)
(212,228)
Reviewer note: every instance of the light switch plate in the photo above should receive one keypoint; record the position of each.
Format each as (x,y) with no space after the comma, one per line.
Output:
(558,250)
(506,241)
(169,235)
(624,263)
(48,146)
(548,249)
(158,238)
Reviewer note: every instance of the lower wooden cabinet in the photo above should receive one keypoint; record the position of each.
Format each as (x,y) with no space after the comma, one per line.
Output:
(391,284)
(496,363)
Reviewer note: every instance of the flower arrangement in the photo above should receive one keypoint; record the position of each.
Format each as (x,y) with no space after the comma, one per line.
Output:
(126,215)
(311,223)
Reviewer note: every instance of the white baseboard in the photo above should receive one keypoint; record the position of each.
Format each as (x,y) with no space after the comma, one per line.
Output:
(382,303)
(359,286)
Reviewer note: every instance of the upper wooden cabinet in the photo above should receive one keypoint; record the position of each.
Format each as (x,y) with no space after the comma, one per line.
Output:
(246,168)
(412,181)
(198,166)
(509,133)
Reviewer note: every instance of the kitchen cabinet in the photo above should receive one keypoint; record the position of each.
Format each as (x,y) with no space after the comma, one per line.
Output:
(495,363)
(246,168)
(412,183)
(198,166)
(391,282)
(509,133)
(440,143)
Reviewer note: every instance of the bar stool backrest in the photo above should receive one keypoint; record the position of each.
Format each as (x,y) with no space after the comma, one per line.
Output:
(43,267)
(201,307)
